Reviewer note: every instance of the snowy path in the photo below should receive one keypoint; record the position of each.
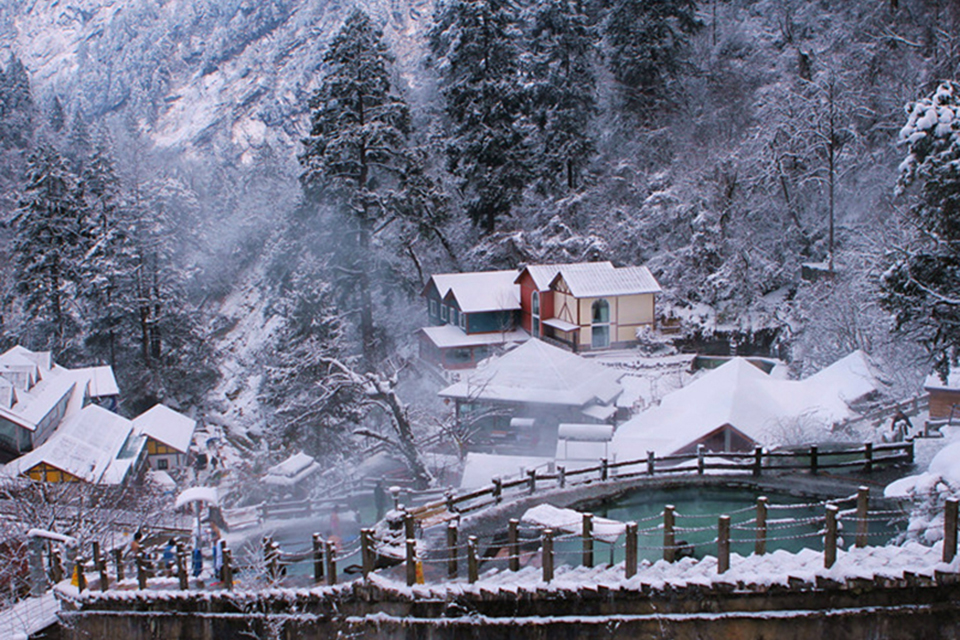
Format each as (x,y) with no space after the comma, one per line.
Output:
(29,616)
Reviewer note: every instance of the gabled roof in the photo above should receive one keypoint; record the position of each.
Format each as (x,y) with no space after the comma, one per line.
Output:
(165,425)
(479,291)
(292,470)
(594,280)
(94,445)
(739,395)
(539,373)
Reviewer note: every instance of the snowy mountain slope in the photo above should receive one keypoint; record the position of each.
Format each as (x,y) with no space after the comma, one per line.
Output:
(205,75)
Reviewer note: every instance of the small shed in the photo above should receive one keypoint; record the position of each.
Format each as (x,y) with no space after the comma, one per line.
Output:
(169,435)
(944,395)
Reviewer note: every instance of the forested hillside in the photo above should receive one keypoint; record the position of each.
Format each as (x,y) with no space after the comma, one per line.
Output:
(236,203)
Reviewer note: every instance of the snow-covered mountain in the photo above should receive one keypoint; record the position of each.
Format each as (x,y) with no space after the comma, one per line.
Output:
(205,75)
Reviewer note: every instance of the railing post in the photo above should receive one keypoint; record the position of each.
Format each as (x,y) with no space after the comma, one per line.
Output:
(950,529)
(760,545)
(532,474)
(181,564)
(228,568)
(587,535)
(101,565)
(814,460)
(868,457)
(451,503)
(651,462)
(473,566)
(669,538)
(700,460)
(409,528)
(910,452)
(630,565)
(141,571)
(562,476)
(118,561)
(411,562)
(513,544)
(604,469)
(863,507)
(723,544)
(546,549)
(366,551)
(830,540)
(317,558)
(757,460)
(497,489)
(331,563)
(81,576)
(452,535)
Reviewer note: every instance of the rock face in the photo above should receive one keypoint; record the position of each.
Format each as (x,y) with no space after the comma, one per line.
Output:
(204,75)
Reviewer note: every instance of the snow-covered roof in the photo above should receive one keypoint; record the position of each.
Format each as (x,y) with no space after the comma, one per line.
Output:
(585,432)
(596,279)
(102,382)
(934,383)
(165,425)
(95,445)
(739,395)
(208,495)
(539,373)
(481,290)
(479,469)
(292,470)
(447,336)
(852,378)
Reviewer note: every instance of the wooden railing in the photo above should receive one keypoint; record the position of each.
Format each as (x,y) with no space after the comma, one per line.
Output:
(813,459)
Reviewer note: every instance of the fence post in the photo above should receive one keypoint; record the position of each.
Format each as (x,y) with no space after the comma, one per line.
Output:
(411,562)
(81,577)
(814,460)
(868,457)
(910,452)
(451,503)
(473,566)
(950,529)
(409,528)
(700,460)
(830,540)
(630,568)
(451,550)
(604,469)
(366,551)
(182,576)
(228,568)
(757,460)
(497,489)
(651,462)
(760,545)
(587,535)
(562,476)
(863,506)
(317,558)
(101,565)
(118,561)
(723,544)
(331,563)
(546,549)
(141,571)
(532,473)
(513,544)
(669,538)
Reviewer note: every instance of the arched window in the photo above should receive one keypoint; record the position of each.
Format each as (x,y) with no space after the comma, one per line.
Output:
(600,329)
(535,313)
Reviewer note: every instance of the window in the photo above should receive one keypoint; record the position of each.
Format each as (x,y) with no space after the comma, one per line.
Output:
(601,325)
(433,308)
(463,321)
(444,312)
(163,464)
(535,313)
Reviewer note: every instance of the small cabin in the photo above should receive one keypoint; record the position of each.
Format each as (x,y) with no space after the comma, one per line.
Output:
(944,395)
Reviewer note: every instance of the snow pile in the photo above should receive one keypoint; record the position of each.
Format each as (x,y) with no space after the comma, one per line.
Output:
(547,516)
(929,490)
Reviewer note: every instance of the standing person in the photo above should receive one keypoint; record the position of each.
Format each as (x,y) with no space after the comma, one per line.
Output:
(217,560)
(135,543)
(197,561)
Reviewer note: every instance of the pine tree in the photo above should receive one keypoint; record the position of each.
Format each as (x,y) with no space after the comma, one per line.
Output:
(646,40)
(562,44)
(477,47)
(358,156)
(51,237)
(56,118)
(922,286)
(16,106)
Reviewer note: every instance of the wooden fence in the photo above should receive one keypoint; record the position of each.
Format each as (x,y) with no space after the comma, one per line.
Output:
(812,459)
